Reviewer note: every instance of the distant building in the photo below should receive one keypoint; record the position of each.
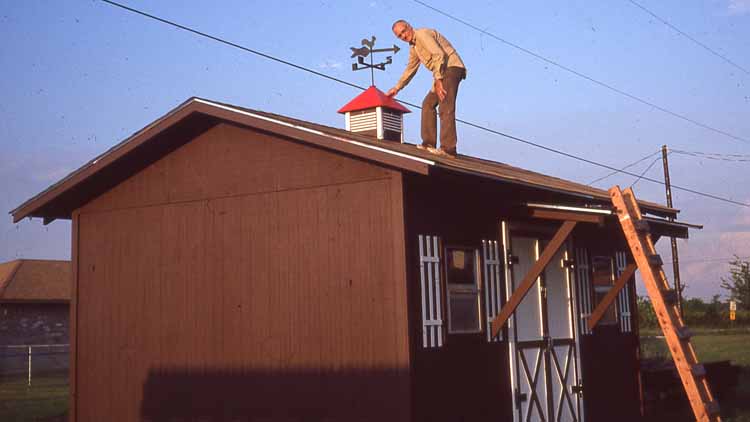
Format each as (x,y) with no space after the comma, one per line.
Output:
(34,302)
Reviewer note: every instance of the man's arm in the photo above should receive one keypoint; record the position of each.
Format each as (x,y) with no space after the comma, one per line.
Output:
(411,69)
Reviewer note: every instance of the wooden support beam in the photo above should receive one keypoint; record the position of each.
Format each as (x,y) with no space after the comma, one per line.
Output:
(515,299)
(611,295)
(568,216)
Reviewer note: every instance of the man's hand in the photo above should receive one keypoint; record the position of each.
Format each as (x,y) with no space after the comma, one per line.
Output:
(392,92)
(439,90)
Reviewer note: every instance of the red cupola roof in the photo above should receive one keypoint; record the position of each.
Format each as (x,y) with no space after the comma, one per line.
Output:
(372,98)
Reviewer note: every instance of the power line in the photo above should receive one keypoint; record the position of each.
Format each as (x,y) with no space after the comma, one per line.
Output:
(586,77)
(645,171)
(628,166)
(595,163)
(692,261)
(738,158)
(231,44)
(707,48)
(474,125)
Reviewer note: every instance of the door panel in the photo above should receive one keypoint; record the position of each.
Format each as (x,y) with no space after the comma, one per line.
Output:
(558,298)
(564,402)
(543,343)
(529,338)
(560,323)
(529,328)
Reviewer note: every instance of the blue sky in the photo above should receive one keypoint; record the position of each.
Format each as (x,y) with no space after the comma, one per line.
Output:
(80,76)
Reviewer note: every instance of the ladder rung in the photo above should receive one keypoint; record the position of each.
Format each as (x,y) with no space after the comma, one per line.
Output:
(670,297)
(683,333)
(712,408)
(699,370)
(655,260)
(641,226)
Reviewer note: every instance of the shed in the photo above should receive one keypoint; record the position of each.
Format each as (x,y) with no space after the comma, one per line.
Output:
(34,301)
(233,264)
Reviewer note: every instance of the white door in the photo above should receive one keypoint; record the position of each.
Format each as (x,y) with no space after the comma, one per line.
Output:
(543,343)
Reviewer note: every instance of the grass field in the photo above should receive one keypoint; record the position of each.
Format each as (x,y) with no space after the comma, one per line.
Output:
(714,345)
(44,400)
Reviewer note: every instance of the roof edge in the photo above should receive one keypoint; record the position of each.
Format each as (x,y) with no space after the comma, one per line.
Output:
(19,213)
(32,206)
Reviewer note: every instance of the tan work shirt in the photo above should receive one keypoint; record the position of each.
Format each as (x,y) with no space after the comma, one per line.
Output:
(430,48)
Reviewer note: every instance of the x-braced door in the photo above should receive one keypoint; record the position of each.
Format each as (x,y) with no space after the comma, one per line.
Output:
(543,341)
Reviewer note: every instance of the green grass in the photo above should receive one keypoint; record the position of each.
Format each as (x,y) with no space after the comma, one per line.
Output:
(714,345)
(45,399)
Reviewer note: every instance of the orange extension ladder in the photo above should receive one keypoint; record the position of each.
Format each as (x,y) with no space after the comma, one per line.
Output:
(664,301)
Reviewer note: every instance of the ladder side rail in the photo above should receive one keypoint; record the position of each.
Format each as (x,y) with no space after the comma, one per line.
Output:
(673,327)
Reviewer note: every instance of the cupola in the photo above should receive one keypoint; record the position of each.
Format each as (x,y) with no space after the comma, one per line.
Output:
(375,114)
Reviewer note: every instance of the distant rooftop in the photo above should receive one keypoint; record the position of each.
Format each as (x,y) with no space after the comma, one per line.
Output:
(35,280)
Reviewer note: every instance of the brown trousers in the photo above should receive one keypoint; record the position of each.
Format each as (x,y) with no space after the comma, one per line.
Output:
(452,77)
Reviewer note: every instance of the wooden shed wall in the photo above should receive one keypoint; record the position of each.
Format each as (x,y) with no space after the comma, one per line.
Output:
(243,276)
(611,364)
(468,377)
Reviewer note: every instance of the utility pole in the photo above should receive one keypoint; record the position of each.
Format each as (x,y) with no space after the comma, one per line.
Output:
(675,257)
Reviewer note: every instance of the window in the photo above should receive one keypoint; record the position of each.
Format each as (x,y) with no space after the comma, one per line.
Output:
(603,279)
(463,290)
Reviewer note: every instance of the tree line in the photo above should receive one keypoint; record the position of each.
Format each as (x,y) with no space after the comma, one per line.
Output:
(715,312)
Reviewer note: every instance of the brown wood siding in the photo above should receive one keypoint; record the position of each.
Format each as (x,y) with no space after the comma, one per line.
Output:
(468,379)
(232,161)
(72,400)
(243,273)
(610,358)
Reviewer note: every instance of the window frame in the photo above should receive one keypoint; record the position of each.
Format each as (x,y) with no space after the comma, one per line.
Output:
(475,289)
(611,315)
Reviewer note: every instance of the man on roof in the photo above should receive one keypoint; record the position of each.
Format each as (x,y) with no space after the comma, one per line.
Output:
(429,47)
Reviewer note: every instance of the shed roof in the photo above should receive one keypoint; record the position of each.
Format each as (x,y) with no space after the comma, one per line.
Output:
(35,280)
(197,115)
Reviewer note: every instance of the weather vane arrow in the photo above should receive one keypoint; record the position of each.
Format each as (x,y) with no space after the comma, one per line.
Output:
(367,50)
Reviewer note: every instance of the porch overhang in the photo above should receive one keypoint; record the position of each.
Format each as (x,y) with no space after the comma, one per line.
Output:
(570,217)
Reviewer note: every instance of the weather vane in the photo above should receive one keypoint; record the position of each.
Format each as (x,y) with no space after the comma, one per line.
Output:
(367,50)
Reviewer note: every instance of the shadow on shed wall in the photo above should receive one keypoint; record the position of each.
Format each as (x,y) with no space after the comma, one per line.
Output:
(256,395)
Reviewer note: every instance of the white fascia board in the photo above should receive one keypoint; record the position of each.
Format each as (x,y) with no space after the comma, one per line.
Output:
(316,132)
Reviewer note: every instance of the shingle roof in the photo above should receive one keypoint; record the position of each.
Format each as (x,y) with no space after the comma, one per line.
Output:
(196,115)
(35,280)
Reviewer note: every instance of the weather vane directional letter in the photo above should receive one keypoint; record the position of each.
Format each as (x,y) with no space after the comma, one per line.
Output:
(367,50)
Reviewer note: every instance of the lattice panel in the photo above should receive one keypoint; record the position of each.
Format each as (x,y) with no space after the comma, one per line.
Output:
(491,265)
(583,287)
(623,298)
(429,275)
